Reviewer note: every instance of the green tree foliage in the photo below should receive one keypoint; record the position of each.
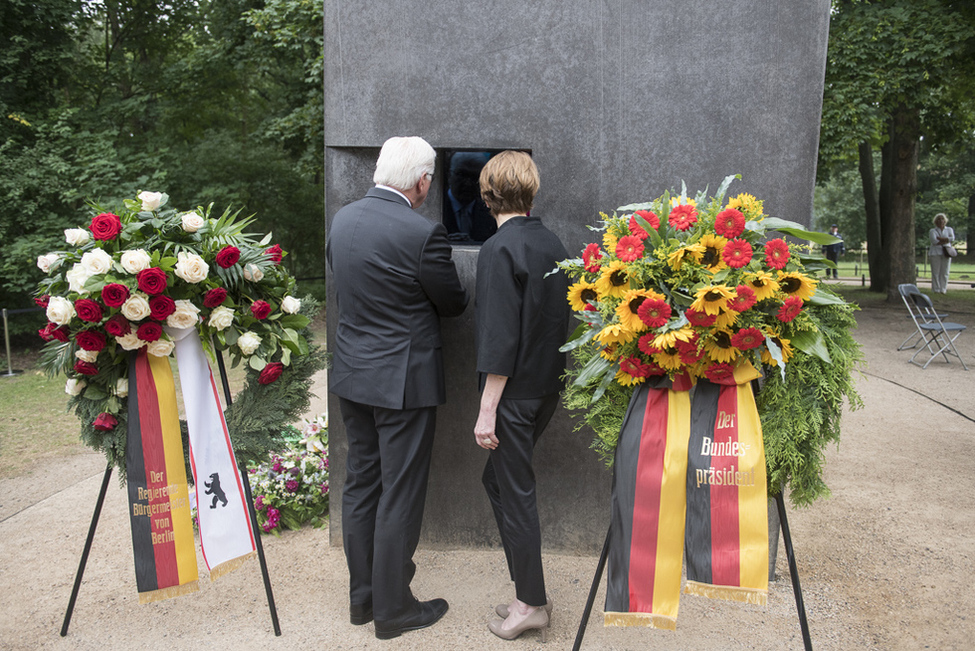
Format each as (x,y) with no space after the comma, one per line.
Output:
(897,71)
(207,101)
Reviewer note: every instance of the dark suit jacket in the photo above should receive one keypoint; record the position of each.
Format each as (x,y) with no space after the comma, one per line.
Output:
(522,315)
(393,279)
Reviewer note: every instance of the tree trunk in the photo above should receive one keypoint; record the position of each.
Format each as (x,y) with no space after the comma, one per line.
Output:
(970,238)
(884,200)
(905,143)
(874,235)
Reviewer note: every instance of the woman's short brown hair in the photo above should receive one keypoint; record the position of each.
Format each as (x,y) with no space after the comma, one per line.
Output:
(509,183)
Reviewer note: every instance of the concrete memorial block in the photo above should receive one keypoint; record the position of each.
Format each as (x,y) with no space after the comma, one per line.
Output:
(616,102)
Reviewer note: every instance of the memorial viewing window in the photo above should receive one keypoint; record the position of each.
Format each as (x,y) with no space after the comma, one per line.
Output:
(465,215)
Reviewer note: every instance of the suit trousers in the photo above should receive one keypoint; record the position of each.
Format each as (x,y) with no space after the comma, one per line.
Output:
(509,480)
(382,504)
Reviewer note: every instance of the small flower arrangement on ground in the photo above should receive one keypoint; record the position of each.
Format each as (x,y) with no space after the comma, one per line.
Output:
(291,488)
(694,287)
(143,267)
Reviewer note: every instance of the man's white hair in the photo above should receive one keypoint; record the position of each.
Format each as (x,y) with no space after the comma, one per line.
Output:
(402,161)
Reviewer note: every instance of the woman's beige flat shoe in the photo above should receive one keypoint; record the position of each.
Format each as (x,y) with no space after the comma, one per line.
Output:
(502,610)
(537,620)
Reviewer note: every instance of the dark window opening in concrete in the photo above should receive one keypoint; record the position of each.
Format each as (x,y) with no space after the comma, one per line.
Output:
(466,217)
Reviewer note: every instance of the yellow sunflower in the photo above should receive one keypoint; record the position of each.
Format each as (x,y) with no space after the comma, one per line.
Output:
(614,333)
(580,295)
(762,284)
(748,205)
(784,345)
(627,309)
(713,246)
(719,347)
(726,318)
(689,252)
(794,283)
(614,280)
(628,380)
(609,241)
(712,299)
(609,353)
(668,358)
(670,338)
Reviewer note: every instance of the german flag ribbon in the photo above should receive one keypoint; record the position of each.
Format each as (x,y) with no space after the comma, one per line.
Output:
(159,505)
(727,505)
(226,536)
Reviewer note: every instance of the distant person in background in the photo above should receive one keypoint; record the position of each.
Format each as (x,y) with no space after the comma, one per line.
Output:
(466,216)
(835,250)
(941,236)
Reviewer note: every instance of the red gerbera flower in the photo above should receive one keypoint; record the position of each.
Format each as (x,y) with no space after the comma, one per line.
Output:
(744,299)
(648,217)
(737,253)
(700,319)
(688,350)
(776,253)
(730,223)
(629,248)
(654,312)
(720,373)
(633,367)
(645,344)
(790,309)
(747,338)
(683,217)
(591,257)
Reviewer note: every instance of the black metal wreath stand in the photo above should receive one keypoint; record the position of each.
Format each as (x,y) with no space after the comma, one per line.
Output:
(250,508)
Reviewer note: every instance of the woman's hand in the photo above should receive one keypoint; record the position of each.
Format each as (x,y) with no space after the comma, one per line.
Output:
(484,430)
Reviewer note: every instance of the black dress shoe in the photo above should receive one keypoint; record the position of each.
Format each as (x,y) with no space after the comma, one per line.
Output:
(424,613)
(360,614)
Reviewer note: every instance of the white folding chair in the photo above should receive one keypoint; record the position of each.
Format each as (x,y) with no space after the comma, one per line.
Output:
(916,315)
(937,333)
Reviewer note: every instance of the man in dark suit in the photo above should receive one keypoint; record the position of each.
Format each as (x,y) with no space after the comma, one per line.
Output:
(393,279)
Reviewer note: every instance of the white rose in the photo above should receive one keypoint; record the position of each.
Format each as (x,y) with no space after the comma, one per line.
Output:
(191,267)
(151,200)
(136,261)
(253,273)
(185,316)
(160,347)
(45,262)
(130,341)
(192,222)
(248,343)
(60,310)
(122,387)
(86,355)
(76,236)
(77,276)
(96,262)
(74,387)
(221,317)
(136,307)
(290,305)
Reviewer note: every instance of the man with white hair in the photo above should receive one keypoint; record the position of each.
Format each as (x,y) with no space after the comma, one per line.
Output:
(393,279)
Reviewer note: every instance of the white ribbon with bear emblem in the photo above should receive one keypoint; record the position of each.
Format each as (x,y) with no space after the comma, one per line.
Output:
(226,537)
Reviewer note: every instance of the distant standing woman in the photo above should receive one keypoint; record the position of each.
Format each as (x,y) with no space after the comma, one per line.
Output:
(522,320)
(941,235)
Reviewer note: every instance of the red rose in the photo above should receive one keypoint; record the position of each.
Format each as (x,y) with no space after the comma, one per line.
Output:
(271,373)
(260,309)
(275,253)
(115,294)
(85,368)
(160,307)
(106,226)
(105,422)
(118,326)
(215,297)
(149,331)
(88,310)
(152,280)
(42,301)
(52,331)
(228,256)
(45,332)
(90,340)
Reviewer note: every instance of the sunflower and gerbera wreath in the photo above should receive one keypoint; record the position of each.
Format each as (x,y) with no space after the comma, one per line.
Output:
(698,287)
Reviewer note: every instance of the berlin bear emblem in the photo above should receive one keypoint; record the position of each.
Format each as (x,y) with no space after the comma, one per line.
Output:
(213,488)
